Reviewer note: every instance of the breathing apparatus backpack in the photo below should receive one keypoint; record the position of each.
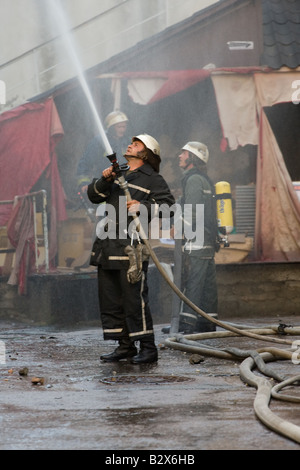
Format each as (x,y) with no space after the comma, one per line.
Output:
(224,209)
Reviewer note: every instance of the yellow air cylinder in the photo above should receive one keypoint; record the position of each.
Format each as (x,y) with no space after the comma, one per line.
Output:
(224,207)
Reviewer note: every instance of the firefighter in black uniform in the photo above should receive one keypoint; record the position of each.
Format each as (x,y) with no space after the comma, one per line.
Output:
(121,259)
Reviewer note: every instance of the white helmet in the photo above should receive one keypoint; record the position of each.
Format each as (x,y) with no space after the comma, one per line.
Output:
(114,118)
(198,149)
(149,142)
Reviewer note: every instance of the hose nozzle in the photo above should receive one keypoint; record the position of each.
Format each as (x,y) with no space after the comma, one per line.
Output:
(115,164)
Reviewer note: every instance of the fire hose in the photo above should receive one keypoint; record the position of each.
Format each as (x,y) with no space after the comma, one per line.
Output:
(250,358)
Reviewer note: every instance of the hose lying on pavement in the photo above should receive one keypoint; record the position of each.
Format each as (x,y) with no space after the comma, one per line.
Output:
(262,399)
(283,384)
(263,395)
(252,358)
(226,326)
(264,389)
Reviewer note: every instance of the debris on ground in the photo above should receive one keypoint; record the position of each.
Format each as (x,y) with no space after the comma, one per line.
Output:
(196,359)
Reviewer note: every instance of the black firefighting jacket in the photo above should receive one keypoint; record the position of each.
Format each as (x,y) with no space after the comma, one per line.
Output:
(146,186)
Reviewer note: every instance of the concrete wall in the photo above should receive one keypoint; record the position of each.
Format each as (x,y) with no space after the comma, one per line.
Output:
(259,289)
(245,291)
(33,54)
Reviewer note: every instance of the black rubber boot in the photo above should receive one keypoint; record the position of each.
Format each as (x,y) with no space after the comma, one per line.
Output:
(126,349)
(148,352)
(166,329)
(204,325)
(187,327)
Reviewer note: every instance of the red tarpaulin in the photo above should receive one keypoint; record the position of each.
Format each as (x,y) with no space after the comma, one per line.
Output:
(21,235)
(28,136)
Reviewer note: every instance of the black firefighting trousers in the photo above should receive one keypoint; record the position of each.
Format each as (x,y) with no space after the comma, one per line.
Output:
(124,307)
(201,289)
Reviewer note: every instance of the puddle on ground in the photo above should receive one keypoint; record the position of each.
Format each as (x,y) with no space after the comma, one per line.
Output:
(144,379)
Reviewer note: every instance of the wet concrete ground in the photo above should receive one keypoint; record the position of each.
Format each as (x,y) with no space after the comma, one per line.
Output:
(83,404)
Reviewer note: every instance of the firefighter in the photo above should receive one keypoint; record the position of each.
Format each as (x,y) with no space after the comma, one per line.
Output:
(122,284)
(198,258)
(94,160)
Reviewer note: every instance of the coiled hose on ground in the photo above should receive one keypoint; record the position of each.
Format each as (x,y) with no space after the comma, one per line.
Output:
(251,359)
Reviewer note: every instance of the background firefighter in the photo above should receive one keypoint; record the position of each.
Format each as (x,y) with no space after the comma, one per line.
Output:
(124,305)
(199,274)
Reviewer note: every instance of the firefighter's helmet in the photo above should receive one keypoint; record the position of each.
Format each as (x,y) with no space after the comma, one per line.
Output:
(149,142)
(198,149)
(114,118)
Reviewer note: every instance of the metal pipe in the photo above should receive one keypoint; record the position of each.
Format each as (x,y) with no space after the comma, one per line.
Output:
(45,230)
(35,234)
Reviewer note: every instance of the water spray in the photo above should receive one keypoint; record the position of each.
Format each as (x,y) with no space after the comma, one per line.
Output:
(66,35)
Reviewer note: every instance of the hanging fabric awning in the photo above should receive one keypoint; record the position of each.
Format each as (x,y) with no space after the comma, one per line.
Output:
(149,87)
(277,231)
(241,94)
(278,208)
(162,84)
(241,100)
(28,136)
(236,100)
